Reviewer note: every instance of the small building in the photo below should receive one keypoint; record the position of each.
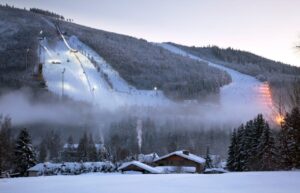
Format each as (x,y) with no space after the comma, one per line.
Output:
(181,159)
(136,166)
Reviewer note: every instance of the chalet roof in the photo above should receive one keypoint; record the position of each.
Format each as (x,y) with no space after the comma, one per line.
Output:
(188,156)
(140,165)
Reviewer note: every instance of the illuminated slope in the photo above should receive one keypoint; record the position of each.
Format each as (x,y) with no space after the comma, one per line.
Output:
(243,98)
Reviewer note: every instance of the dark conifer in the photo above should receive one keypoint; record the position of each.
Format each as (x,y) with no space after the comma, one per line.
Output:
(24,153)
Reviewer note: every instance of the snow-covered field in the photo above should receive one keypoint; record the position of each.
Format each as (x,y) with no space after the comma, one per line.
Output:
(247,182)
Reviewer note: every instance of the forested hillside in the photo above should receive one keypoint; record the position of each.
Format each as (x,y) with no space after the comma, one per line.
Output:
(244,62)
(139,62)
(284,79)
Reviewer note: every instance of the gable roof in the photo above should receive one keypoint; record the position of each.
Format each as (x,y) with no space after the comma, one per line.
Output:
(140,165)
(180,153)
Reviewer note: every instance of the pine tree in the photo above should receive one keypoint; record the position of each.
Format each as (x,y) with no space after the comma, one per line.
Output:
(267,150)
(290,140)
(240,154)
(232,153)
(248,144)
(259,124)
(208,161)
(24,153)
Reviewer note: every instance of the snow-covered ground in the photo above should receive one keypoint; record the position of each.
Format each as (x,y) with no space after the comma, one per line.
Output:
(87,77)
(243,97)
(247,182)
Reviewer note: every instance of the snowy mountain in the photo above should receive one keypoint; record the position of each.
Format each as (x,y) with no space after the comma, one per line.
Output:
(111,70)
(139,63)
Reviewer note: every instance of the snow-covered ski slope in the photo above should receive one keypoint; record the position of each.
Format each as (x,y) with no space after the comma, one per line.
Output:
(244,97)
(87,77)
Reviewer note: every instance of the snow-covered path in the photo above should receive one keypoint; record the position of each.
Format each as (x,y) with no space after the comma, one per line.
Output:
(242,98)
(87,77)
(247,182)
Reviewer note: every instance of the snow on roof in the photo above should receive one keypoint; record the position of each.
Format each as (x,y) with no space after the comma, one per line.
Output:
(140,165)
(180,153)
(41,166)
(70,165)
(147,158)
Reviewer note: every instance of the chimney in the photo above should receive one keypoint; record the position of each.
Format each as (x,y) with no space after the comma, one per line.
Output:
(185,152)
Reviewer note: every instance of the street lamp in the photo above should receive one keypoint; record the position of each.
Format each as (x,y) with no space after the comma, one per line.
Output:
(155,89)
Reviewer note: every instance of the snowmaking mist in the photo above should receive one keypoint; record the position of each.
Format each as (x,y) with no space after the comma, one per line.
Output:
(26,108)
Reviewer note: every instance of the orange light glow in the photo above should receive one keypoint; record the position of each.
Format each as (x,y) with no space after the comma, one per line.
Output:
(266,100)
(279,119)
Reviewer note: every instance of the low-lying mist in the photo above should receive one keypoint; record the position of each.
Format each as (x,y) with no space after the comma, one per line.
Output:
(24,107)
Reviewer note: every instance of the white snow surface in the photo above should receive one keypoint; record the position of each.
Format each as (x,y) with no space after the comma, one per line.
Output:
(146,167)
(85,80)
(241,98)
(247,182)
(180,153)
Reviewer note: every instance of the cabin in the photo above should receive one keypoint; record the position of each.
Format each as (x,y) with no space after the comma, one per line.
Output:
(136,166)
(181,161)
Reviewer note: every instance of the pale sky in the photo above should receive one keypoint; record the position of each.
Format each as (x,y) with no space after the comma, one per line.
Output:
(270,28)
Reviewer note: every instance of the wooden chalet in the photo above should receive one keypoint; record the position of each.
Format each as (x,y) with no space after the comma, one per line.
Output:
(182,158)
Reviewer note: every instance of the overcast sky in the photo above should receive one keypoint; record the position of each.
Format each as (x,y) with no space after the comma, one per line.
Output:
(270,28)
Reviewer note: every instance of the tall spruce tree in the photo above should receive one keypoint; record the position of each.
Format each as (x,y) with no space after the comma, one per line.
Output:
(24,153)
(267,150)
(232,152)
(248,144)
(240,154)
(290,140)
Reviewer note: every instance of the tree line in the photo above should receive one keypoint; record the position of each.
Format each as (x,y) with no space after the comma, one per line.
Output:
(256,147)
(117,143)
